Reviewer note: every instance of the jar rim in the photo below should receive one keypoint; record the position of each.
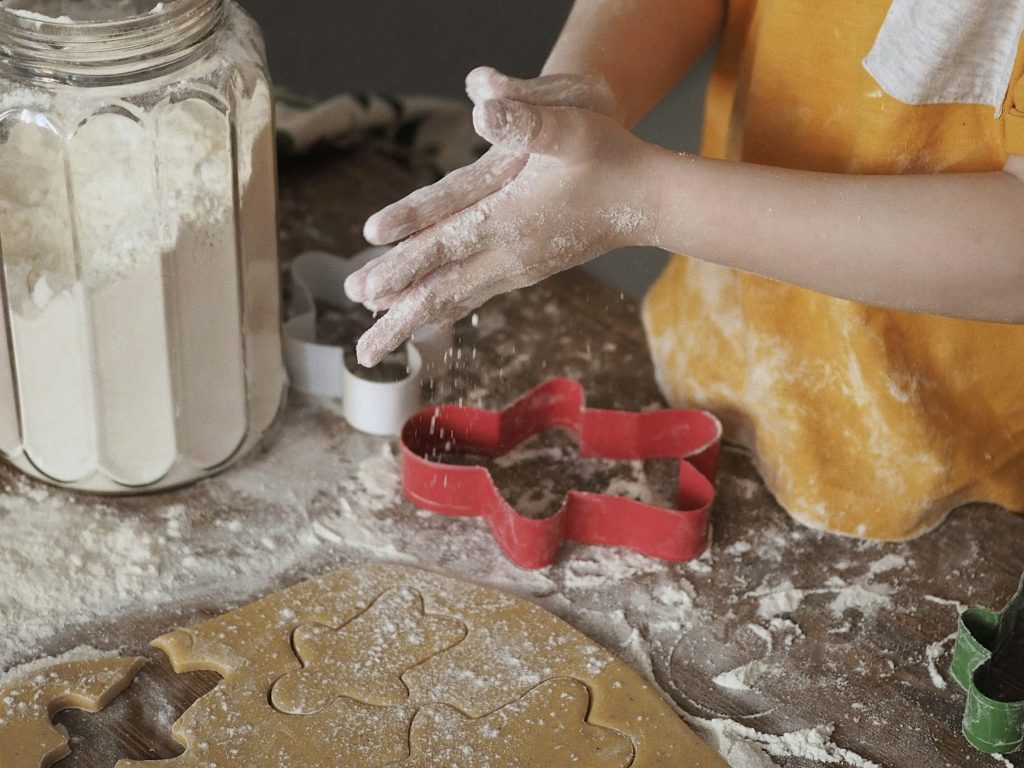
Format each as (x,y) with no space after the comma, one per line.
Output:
(88,52)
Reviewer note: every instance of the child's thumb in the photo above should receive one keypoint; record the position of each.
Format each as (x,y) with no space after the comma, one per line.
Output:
(523,128)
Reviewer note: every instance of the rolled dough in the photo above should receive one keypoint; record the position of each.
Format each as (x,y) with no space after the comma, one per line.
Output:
(392,666)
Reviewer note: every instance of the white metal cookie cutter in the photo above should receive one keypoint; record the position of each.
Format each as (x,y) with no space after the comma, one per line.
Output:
(374,407)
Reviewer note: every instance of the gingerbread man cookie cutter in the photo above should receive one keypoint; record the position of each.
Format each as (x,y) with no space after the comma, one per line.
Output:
(674,534)
(990,725)
(326,370)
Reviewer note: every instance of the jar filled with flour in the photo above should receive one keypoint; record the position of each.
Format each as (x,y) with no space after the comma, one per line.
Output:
(141,343)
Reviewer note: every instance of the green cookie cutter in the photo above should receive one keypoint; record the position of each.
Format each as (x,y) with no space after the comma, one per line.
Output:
(995,727)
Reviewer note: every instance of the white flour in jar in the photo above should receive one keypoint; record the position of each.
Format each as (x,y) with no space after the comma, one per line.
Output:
(89,10)
(152,222)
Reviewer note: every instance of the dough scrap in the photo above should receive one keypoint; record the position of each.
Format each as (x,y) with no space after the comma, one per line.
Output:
(547,727)
(28,738)
(361,659)
(508,656)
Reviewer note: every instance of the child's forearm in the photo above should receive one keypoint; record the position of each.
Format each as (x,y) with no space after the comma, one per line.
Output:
(640,47)
(948,244)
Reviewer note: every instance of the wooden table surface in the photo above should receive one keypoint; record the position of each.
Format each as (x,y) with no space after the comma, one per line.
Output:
(860,668)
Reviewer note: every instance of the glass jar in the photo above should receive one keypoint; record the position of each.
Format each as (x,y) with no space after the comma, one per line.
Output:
(140,347)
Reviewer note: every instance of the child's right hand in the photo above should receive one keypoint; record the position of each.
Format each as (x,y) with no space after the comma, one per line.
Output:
(584,188)
(468,186)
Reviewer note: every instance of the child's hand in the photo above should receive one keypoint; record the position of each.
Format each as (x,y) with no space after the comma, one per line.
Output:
(499,166)
(579,194)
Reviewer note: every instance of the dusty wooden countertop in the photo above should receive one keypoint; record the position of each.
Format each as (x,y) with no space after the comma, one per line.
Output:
(827,632)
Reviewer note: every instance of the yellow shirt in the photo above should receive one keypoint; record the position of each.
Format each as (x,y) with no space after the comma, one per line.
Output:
(863,421)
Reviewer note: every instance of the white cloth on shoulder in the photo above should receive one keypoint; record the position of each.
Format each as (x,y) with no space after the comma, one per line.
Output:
(948,51)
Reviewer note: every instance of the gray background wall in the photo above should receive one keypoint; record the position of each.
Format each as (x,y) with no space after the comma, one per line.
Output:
(321,47)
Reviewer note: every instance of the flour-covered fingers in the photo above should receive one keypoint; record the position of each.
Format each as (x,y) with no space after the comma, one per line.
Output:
(446,295)
(395,270)
(410,261)
(467,294)
(582,91)
(453,241)
(417,307)
(355,284)
(455,192)
(383,303)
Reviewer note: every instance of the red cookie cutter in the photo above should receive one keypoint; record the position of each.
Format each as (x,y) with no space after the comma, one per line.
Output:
(676,535)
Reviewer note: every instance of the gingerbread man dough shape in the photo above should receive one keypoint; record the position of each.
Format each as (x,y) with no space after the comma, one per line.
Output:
(361,660)
(546,727)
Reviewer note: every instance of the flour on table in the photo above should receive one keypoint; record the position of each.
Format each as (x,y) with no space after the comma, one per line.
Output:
(107,563)
(743,678)
(864,594)
(738,548)
(746,747)
(781,600)
(81,653)
(936,650)
(380,475)
(932,654)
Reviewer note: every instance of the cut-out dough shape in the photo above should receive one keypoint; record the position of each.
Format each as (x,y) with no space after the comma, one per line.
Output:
(510,648)
(362,660)
(27,706)
(235,726)
(547,727)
